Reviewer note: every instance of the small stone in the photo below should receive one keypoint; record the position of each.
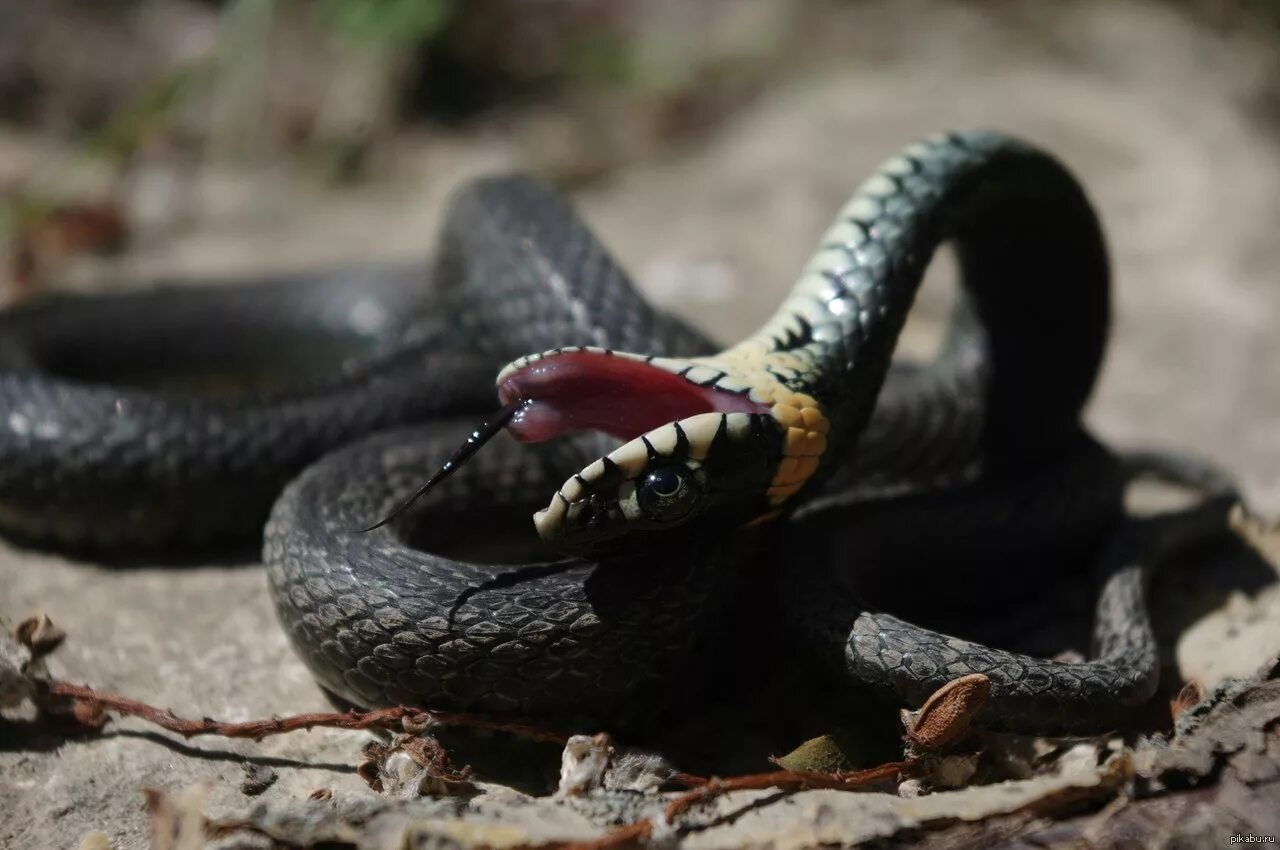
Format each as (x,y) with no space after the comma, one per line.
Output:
(1081,758)
(953,771)
(583,764)
(911,788)
(634,770)
(257,778)
(96,840)
(412,767)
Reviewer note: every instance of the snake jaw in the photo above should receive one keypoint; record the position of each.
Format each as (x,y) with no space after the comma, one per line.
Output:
(593,512)
(710,466)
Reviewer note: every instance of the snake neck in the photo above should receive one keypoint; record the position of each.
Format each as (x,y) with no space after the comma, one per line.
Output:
(778,382)
(1027,341)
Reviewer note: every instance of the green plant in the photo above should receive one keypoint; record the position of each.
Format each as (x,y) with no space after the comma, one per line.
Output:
(399,23)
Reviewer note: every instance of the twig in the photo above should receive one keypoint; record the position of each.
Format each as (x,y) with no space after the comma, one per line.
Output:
(786,780)
(90,705)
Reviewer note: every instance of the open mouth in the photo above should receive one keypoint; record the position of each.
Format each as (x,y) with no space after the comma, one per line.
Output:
(576,389)
(620,394)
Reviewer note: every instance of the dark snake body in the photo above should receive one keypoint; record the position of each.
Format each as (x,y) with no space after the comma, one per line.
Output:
(396,616)
(173,417)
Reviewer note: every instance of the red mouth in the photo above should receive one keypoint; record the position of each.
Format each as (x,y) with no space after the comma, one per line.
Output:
(585,390)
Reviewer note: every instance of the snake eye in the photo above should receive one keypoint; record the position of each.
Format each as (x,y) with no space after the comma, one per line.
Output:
(668,494)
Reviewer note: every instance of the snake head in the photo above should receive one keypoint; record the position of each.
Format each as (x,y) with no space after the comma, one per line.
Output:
(699,450)
(709,442)
(711,469)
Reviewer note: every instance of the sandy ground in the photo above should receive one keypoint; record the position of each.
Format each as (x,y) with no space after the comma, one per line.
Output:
(1161,120)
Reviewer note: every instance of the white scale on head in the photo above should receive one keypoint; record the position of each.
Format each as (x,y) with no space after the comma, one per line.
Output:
(632,457)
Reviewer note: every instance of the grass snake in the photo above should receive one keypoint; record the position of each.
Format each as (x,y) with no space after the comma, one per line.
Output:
(175,417)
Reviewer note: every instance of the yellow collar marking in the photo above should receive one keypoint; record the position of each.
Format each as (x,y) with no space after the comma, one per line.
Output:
(804,423)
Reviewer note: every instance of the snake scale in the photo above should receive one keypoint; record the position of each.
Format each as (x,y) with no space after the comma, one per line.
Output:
(805,435)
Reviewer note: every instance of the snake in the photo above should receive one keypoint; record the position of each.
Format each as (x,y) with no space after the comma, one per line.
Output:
(806,445)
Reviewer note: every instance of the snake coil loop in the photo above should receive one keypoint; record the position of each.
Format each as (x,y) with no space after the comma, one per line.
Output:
(976,457)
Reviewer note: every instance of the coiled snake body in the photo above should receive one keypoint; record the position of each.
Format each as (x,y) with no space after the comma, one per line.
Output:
(805,422)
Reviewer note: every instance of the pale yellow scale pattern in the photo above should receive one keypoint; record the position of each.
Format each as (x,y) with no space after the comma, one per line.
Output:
(800,415)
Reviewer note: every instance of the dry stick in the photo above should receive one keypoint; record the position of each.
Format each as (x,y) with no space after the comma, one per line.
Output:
(383,718)
(785,780)
(406,717)
(96,702)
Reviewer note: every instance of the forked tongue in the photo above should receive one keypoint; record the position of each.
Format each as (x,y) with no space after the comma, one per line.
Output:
(583,390)
(470,446)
